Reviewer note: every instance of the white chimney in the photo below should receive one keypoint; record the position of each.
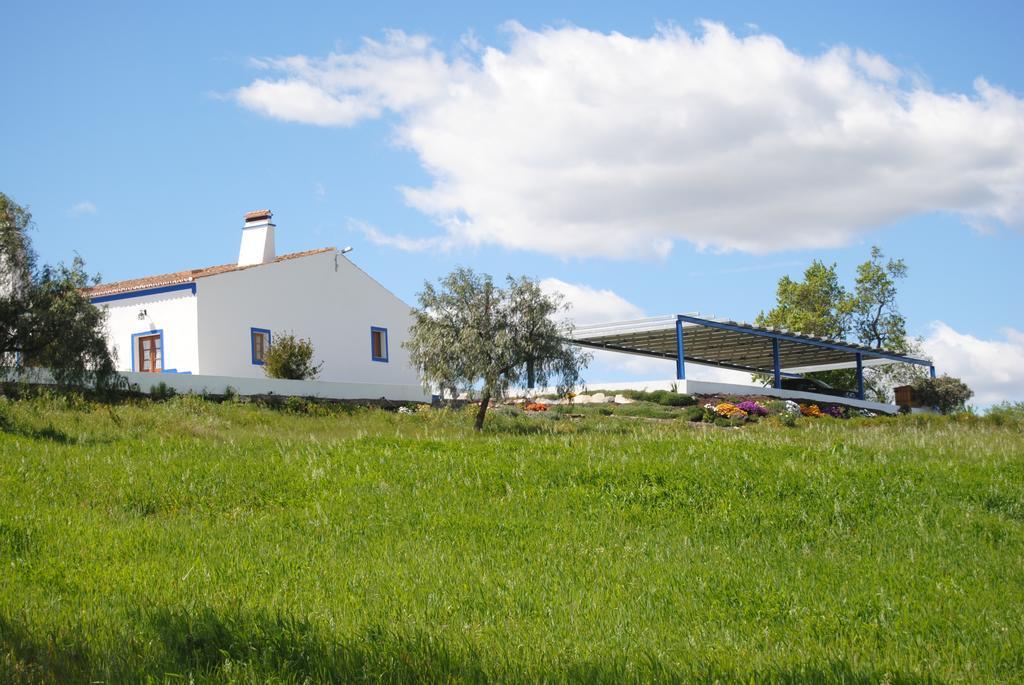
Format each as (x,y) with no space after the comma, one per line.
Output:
(257,239)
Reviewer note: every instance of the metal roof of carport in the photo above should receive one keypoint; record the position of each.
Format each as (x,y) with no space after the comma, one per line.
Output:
(732,345)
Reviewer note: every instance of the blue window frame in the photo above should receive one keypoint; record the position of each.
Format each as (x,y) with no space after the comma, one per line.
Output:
(160,348)
(378,344)
(259,343)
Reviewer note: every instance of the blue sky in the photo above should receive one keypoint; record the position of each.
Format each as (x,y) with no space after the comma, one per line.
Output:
(139,135)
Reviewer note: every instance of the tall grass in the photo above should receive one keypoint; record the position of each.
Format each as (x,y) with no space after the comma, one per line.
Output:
(187,540)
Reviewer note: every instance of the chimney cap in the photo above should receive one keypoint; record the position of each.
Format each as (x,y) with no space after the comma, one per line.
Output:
(258,215)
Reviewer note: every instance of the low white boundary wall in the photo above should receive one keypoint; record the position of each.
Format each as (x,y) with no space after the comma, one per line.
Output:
(713,388)
(218,385)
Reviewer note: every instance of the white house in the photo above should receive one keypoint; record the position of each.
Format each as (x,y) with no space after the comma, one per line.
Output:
(220,320)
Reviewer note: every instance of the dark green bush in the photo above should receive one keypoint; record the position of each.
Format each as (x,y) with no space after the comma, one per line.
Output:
(1009,414)
(291,358)
(666,398)
(646,411)
(695,414)
(945,393)
(162,391)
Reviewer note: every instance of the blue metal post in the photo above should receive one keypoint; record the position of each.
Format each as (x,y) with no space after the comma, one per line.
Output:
(777,364)
(680,365)
(860,376)
(931,370)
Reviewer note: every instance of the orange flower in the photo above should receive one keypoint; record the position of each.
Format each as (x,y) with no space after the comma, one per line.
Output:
(811,410)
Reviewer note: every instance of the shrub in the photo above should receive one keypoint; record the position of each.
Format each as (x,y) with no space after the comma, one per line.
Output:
(1009,414)
(753,408)
(674,399)
(162,391)
(811,410)
(645,411)
(291,358)
(296,405)
(667,398)
(945,393)
(695,414)
(730,410)
(787,419)
(779,407)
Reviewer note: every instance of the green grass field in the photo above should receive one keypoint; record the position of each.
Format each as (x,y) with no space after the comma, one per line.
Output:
(187,541)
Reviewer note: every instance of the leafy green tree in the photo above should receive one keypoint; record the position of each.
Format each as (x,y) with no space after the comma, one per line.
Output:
(877,321)
(820,305)
(291,358)
(945,393)
(46,319)
(468,332)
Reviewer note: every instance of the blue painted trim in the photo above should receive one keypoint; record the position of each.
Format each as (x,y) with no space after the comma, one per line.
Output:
(777,365)
(135,346)
(143,293)
(379,329)
(680,357)
(860,376)
(801,340)
(252,344)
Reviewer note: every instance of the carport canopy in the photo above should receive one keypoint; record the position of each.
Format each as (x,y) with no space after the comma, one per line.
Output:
(735,345)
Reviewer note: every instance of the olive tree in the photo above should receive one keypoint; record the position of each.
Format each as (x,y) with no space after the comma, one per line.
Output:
(469,333)
(46,319)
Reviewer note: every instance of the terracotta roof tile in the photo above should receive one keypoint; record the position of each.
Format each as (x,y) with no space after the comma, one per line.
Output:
(186,276)
(258,214)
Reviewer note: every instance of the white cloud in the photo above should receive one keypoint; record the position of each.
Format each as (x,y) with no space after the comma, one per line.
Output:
(82,208)
(994,369)
(399,241)
(590,305)
(593,305)
(579,143)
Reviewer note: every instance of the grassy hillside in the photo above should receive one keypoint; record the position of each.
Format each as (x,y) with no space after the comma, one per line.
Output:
(187,540)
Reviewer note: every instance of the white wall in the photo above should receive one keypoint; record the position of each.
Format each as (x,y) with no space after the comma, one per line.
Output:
(696,387)
(321,297)
(172,312)
(218,385)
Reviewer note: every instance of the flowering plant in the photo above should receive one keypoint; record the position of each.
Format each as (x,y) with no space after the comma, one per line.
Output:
(730,411)
(834,411)
(811,410)
(536,406)
(753,408)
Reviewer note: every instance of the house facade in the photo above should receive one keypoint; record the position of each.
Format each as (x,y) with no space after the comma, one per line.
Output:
(221,320)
